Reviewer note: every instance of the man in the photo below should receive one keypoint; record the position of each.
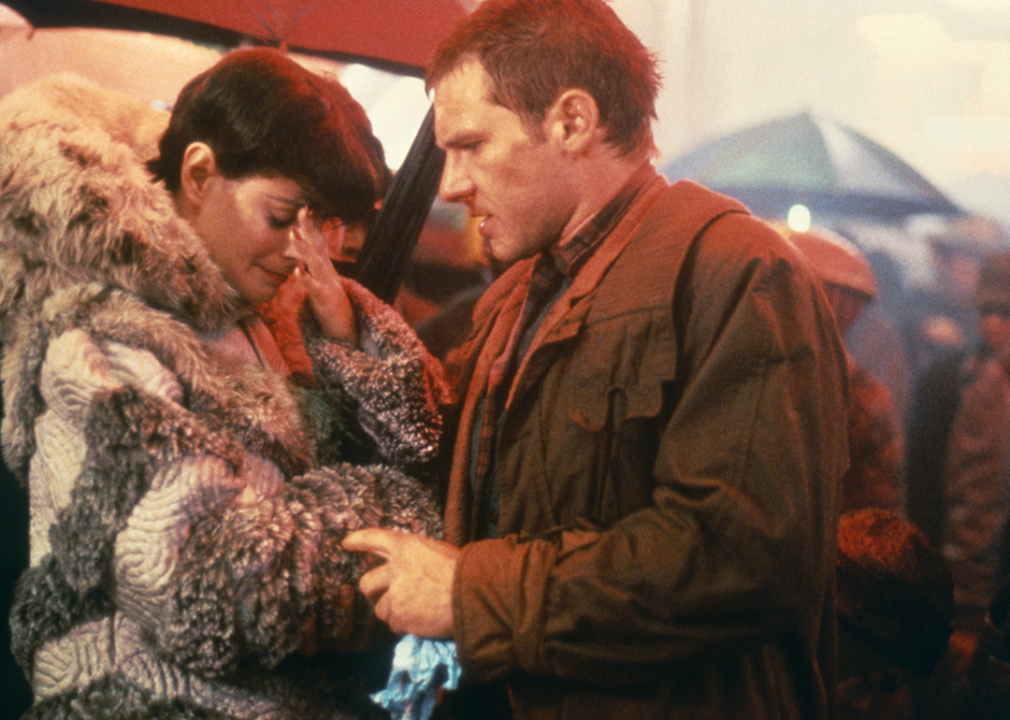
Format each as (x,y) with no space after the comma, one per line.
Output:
(958,460)
(642,495)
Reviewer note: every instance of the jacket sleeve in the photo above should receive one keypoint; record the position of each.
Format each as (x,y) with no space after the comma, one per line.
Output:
(389,387)
(734,545)
(975,489)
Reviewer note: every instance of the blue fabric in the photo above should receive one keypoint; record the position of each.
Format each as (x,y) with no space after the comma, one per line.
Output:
(421,668)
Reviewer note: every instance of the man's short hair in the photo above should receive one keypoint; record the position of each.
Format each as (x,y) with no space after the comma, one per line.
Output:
(533,50)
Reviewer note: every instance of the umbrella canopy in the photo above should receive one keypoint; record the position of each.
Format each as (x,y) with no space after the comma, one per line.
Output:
(395,34)
(150,67)
(811,160)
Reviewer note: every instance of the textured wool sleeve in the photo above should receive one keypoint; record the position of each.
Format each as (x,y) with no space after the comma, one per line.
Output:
(111,440)
(104,402)
(196,531)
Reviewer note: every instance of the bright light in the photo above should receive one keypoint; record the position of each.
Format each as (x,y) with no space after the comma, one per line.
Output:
(396,105)
(798,218)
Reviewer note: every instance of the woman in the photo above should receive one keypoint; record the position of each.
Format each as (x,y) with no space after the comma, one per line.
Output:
(191,478)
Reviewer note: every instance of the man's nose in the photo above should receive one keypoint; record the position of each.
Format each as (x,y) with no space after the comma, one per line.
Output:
(455,185)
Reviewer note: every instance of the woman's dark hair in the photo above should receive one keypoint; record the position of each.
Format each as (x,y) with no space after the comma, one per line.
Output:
(264,114)
(533,50)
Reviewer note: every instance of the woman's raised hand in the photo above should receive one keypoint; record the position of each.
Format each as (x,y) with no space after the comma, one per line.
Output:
(332,308)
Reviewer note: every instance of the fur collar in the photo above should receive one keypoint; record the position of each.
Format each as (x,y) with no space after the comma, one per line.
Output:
(77,206)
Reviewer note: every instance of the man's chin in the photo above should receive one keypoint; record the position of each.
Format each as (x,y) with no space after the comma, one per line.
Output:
(493,250)
(488,246)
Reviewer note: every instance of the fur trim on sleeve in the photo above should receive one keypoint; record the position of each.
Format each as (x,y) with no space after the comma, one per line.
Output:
(392,384)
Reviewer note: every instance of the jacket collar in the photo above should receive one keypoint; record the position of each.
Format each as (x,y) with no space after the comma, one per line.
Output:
(566,317)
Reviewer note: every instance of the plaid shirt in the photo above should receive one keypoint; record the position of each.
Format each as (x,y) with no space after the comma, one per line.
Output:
(553,271)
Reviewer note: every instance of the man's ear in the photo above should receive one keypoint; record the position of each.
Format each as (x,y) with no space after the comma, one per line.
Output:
(573,120)
(198,166)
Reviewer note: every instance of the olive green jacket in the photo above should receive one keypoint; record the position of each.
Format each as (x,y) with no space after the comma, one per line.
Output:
(669,463)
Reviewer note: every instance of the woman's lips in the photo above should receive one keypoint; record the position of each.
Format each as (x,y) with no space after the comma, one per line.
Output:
(275,277)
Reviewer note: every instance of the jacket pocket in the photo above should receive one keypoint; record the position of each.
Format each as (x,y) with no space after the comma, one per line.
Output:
(617,393)
(620,374)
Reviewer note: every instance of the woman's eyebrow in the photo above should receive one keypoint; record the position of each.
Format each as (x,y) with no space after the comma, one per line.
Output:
(294,203)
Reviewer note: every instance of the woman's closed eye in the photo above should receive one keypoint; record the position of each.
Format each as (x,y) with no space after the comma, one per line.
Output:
(282,222)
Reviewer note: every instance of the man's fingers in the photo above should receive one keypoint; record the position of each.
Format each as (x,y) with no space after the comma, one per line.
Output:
(374,583)
(380,541)
(381,607)
(412,591)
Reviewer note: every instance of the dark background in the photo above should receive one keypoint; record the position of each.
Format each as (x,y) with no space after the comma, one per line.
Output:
(15,696)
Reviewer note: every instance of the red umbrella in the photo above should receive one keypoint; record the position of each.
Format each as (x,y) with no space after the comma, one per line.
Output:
(395,33)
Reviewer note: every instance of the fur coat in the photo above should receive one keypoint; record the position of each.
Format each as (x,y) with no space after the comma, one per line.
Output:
(187,505)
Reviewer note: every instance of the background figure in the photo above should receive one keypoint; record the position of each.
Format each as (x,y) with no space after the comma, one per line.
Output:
(875,477)
(958,455)
(894,602)
(643,491)
(190,477)
(939,317)
(876,339)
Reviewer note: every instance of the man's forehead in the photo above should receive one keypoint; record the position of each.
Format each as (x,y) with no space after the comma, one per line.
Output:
(468,82)
(461,101)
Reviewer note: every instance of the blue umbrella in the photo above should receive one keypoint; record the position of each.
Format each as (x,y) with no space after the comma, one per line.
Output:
(811,160)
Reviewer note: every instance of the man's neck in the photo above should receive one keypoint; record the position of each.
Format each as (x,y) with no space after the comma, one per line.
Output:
(602,178)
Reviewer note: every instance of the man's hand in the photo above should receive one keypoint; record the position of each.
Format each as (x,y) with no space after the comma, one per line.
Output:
(330,304)
(412,590)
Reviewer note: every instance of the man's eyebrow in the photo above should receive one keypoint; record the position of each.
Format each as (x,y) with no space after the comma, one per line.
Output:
(467,137)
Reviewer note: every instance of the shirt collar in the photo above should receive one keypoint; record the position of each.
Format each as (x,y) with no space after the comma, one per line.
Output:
(568,255)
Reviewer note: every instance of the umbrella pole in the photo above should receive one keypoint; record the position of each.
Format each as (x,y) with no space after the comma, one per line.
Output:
(382,260)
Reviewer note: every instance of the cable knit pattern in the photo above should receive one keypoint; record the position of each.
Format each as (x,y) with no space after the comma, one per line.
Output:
(187,505)
(147,549)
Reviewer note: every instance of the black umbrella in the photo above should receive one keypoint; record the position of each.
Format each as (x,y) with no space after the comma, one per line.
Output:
(382,260)
(813,161)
